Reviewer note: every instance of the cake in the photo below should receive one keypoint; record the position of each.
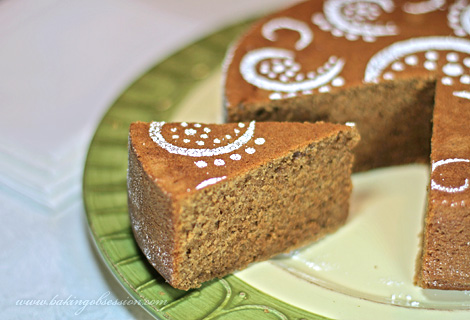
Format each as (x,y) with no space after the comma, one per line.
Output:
(397,69)
(206,200)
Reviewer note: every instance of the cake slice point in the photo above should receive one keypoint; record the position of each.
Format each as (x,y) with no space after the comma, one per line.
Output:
(206,200)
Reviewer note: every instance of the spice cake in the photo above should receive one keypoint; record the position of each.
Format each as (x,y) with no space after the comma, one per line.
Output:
(400,70)
(206,200)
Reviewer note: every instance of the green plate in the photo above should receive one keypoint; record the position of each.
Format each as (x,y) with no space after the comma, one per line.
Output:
(158,95)
(363,271)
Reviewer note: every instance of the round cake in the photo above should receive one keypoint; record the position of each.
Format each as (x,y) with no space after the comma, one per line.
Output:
(399,70)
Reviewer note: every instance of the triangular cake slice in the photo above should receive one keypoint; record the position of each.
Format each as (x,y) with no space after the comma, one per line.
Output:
(206,200)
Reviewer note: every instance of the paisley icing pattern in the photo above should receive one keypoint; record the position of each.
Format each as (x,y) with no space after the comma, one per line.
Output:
(306,35)
(354,19)
(408,49)
(157,137)
(275,70)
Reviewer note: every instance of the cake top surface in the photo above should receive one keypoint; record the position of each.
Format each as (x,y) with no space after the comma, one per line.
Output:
(185,157)
(324,46)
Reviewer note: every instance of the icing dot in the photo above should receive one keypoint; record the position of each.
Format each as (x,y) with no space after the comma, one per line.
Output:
(190,132)
(431,55)
(279,68)
(204,136)
(173,129)
(465,79)
(201,164)
(447,81)
(199,142)
(207,130)
(219,162)
(264,68)
(236,131)
(288,62)
(283,78)
(466,62)
(388,76)
(235,156)
(272,75)
(299,77)
(311,75)
(290,73)
(351,37)
(216,140)
(175,136)
(250,150)
(369,38)
(452,57)
(186,140)
(197,125)
(453,69)
(398,66)
(411,60)
(338,82)
(430,65)
(260,141)
(241,125)
(337,33)
(295,67)
(324,89)
(307,92)
(228,136)
(275,96)
(184,124)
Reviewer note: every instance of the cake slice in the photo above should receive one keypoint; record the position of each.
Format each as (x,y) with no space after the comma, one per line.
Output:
(445,258)
(207,200)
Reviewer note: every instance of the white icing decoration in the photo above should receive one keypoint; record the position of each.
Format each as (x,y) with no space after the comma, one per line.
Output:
(338,82)
(249,72)
(186,140)
(379,62)
(173,129)
(197,125)
(453,69)
(352,18)
(430,65)
(236,131)
(388,76)
(207,130)
(350,124)
(190,132)
(204,136)
(436,186)
(465,79)
(458,18)
(306,35)
(250,150)
(462,94)
(447,81)
(466,62)
(452,57)
(431,55)
(398,66)
(184,124)
(235,156)
(209,182)
(228,136)
(201,164)
(260,141)
(200,143)
(411,60)
(241,125)
(324,89)
(423,6)
(216,140)
(219,162)
(175,136)
(157,137)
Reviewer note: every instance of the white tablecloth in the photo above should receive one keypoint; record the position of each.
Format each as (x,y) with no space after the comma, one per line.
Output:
(62,63)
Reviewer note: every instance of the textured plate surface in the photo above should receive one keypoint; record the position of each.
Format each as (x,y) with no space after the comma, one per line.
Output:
(364,271)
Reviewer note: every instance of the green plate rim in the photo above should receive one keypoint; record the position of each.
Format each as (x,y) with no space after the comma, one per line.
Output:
(103,182)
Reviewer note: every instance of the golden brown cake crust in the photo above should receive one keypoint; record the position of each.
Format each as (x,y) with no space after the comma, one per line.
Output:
(288,185)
